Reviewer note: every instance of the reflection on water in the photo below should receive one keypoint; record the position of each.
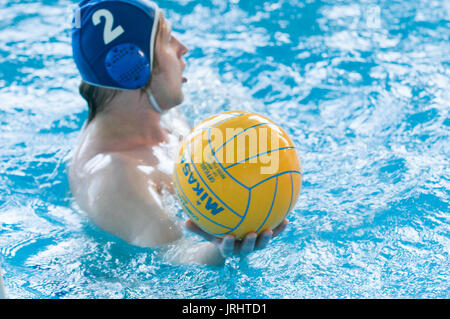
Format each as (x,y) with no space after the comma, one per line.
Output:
(361,87)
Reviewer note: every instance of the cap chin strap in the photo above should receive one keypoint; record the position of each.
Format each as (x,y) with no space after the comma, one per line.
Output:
(154,103)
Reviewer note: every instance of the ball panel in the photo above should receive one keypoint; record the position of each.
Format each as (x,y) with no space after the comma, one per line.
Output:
(225,187)
(244,121)
(280,205)
(297,183)
(210,200)
(240,135)
(260,204)
(207,225)
(198,210)
(280,162)
(241,125)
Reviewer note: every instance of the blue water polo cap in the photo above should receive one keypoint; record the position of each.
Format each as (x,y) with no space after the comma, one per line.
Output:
(113,42)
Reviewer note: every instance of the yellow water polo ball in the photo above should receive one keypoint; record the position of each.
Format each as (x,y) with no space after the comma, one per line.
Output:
(237,172)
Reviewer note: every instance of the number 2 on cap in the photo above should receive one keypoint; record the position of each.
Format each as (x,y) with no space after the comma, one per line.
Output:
(108,33)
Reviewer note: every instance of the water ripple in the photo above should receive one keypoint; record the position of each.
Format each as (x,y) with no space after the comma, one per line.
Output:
(361,87)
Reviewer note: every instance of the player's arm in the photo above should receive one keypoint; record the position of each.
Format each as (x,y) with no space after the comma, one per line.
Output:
(118,198)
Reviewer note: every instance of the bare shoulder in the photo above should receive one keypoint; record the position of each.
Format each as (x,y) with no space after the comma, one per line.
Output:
(115,189)
(97,181)
(96,173)
(120,200)
(94,157)
(100,163)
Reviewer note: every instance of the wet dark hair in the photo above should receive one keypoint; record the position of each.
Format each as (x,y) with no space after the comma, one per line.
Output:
(96,97)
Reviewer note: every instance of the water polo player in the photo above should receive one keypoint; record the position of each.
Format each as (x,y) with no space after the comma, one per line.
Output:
(132,71)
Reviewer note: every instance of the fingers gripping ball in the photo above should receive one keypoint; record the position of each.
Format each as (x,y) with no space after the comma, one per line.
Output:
(236,173)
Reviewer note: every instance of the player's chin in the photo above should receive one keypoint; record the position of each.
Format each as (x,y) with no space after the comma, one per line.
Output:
(176,100)
(180,98)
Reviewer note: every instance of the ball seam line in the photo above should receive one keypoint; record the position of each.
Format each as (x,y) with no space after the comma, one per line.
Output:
(220,164)
(206,184)
(285,172)
(271,206)
(256,125)
(243,217)
(257,155)
(292,193)
(187,199)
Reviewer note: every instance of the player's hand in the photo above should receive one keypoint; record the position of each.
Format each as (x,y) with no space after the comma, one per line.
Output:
(229,245)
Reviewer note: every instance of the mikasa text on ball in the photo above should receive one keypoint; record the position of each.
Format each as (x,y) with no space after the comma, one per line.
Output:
(237,172)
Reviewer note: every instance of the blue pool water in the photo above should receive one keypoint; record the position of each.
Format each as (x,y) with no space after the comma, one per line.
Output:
(362,87)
